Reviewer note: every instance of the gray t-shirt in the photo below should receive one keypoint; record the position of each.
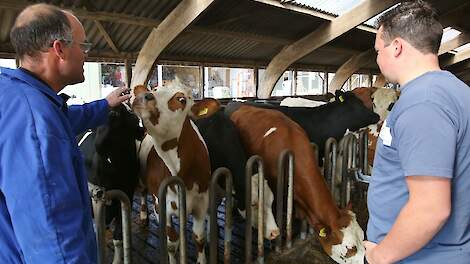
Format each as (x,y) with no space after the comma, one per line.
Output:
(426,133)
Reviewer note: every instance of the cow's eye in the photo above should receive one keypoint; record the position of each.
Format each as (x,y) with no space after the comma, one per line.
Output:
(182,100)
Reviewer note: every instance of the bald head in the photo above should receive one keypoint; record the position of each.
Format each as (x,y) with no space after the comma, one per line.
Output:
(37,26)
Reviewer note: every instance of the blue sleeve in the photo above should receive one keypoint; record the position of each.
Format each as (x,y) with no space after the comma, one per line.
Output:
(89,115)
(427,138)
(43,188)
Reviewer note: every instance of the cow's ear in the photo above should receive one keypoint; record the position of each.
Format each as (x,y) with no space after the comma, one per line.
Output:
(349,206)
(339,96)
(323,231)
(205,108)
(139,89)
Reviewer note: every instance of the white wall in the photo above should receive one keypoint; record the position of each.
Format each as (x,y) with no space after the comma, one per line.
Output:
(8,63)
(88,90)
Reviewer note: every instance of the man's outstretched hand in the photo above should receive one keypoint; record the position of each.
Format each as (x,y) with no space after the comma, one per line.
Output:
(118,96)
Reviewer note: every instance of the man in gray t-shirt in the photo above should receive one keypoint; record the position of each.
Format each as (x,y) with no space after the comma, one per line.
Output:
(418,198)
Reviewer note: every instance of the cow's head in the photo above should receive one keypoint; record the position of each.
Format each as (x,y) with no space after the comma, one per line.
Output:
(164,110)
(359,108)
(271,230)
(343,242)
(383,100)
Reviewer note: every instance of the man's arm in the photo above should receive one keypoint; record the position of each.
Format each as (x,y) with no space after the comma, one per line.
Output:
(46,196)
(94,114)
(424,214)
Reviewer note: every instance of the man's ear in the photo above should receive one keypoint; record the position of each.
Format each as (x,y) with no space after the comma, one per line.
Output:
(58,49)
(397,46)
(205,108)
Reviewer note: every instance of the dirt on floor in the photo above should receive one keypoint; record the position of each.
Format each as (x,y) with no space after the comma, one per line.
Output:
(306,251)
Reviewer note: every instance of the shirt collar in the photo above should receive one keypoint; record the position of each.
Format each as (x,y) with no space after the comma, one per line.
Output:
(35,82)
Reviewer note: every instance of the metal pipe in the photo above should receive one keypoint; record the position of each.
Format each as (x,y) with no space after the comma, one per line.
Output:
(329,166)
(290,196)
(348,162)
(162,191)
(344,165)
(100,230)
(248,235)
(126,221)
(214,230)
(284,157)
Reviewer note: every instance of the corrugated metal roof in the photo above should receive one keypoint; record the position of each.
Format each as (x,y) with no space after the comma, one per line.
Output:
(240,32)
(335,7)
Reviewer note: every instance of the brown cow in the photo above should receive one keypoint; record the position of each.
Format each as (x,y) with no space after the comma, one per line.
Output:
(267,132)
(174,147)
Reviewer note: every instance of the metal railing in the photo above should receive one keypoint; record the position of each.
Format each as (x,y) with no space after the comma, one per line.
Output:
(101,198)
(249,168)
(214,228)
(162,192)
(285,169)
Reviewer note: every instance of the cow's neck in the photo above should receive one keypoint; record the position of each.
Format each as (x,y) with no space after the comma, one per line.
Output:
(313,196)
(166,144)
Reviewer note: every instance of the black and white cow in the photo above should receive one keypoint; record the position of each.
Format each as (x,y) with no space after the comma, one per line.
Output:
(111,161)
(350,111)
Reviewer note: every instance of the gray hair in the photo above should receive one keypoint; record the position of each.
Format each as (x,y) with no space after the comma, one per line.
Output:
(36,28)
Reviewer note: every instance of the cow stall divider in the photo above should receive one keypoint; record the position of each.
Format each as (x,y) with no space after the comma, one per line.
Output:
(285,170)
(353,162)
(162,191)
(214,229)
(305,228)
(101,198)
(329,165)
(249,169)
(363,151)
(348,148)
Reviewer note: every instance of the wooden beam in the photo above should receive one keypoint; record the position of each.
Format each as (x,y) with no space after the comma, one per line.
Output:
(456,15)
(310,12)
(462,39)
(459,57)
(177,21)
(106,36)
(322,35)
(350,67)
(461,67)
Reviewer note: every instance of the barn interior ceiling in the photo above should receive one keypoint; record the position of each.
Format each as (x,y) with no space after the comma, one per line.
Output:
(246,33)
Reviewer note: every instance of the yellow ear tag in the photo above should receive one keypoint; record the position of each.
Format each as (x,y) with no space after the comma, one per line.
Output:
(203,111)
(322,232)
(341,98)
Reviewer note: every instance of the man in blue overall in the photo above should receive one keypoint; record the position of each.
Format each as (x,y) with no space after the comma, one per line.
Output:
(419,201)
(45,214)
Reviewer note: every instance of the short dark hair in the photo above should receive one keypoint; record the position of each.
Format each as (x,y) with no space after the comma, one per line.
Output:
(36,27)
(414,21)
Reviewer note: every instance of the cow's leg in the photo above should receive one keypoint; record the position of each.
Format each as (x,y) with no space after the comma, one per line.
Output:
(118,252)
(117,233)
(173,241)
(199,215)
(144,219)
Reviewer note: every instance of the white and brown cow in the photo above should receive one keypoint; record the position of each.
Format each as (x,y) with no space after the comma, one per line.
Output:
(267,132)
(177,149)
(383,100)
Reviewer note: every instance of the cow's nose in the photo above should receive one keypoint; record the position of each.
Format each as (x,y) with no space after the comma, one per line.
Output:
(274,233)
(149,97)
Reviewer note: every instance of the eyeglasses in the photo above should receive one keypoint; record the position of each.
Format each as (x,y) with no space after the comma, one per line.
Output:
(85,47)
